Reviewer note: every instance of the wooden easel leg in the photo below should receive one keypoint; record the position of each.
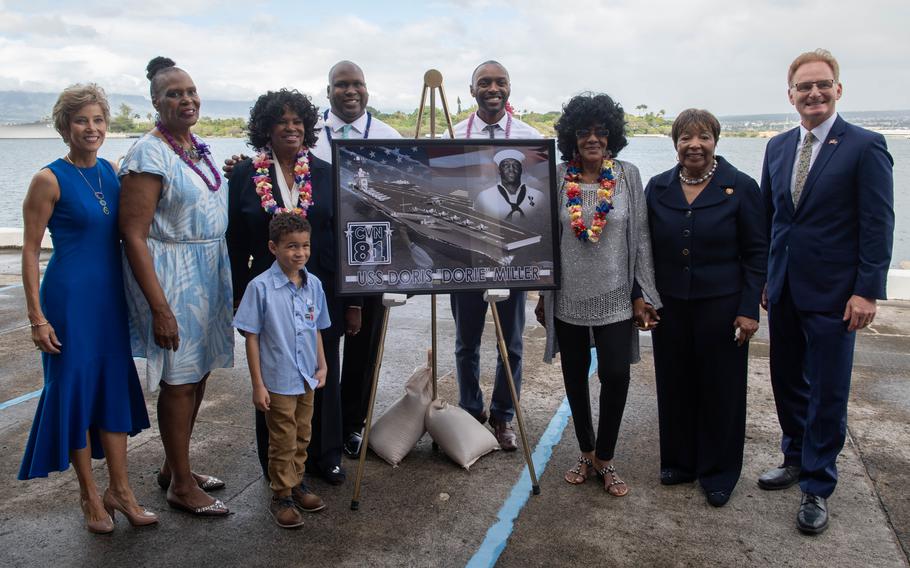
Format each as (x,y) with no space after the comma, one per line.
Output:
(434,369)
(445,108)
(355,500)
(504,354)
(423,102)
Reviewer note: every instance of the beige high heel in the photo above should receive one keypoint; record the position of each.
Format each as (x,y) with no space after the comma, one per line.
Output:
(101,526)
(112,503)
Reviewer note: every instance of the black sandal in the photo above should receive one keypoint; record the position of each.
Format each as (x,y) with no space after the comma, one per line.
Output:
(582,460)
(615,481)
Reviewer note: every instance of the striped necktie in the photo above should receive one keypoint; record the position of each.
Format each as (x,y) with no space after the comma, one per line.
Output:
(802,167)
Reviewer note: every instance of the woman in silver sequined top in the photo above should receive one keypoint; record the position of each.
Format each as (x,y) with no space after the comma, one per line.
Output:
(606,252)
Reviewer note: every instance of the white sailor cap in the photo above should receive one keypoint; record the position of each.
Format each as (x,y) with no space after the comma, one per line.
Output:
(508,154)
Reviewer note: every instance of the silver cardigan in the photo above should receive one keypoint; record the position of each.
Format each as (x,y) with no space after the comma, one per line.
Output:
(641,263)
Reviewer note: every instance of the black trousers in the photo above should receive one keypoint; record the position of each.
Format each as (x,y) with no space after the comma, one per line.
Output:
(701,390)
(613,343)
(324,451)
(360,359)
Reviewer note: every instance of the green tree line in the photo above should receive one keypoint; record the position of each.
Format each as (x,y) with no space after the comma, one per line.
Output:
(405,123)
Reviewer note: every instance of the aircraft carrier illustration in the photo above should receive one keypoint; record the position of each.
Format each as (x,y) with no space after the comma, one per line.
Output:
(446,219)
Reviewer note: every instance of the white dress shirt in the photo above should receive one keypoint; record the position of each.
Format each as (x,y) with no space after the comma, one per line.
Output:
(323,147)
(519,129)
(821,134)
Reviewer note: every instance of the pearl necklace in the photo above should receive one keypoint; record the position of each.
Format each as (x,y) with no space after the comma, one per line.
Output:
(698,180)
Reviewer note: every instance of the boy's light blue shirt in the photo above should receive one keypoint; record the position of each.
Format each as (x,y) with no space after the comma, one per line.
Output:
(287,319)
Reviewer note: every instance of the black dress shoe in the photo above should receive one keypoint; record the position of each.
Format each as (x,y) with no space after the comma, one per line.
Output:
(779,478)
(813,514)
(669,476)
(717,498)
(352,445)
(334,475)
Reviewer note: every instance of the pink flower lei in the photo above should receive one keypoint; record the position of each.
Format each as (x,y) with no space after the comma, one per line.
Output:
(301,180)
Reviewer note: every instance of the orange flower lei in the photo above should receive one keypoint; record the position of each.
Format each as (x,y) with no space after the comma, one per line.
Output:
(573,200)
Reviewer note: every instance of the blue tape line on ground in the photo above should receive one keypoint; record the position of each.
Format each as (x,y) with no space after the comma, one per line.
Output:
(498,534)
(18,399)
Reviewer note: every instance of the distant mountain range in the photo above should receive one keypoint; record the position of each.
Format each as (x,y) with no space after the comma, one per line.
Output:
(20,107)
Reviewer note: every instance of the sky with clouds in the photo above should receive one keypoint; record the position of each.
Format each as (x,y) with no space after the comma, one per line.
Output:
(727,56)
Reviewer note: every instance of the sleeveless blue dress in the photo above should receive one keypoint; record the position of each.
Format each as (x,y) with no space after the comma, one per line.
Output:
(92,384)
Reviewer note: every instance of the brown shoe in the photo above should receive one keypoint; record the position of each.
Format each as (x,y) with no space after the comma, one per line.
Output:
(504,434)
(306,501)
(285,512)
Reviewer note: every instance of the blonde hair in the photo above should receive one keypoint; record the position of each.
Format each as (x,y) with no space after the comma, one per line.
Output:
(74,98)
(819,54)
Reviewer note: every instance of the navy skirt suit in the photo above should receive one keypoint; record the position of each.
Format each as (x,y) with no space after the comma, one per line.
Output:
(710,259)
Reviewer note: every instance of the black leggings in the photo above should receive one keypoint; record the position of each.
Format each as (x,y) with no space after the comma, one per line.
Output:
(613,343)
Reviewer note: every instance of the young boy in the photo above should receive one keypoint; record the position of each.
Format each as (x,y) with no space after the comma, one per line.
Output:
(281,314)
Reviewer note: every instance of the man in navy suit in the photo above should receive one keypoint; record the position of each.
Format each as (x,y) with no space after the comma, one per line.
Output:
(829,191)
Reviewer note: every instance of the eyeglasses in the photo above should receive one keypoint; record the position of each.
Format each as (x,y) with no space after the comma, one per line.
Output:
(806,86)
(585,132)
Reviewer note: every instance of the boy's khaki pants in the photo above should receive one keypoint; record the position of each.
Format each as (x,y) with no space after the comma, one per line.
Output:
(288,419)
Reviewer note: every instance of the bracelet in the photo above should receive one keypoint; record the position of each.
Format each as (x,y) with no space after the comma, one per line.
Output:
(39,324)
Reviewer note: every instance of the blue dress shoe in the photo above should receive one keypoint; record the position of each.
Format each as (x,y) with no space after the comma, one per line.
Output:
(779,478)
(813,514)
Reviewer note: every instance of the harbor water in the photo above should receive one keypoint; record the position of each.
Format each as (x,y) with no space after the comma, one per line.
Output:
(21,158)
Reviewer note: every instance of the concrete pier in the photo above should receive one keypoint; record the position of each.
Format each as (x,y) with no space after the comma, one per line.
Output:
(429,512)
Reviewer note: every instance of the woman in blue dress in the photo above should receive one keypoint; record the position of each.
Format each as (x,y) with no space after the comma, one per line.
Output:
(92,397)
(173,217)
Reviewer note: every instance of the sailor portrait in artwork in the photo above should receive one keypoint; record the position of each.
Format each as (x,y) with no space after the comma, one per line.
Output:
(511,200)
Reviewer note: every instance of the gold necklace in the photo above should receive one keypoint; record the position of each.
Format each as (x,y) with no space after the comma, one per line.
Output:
(99,195)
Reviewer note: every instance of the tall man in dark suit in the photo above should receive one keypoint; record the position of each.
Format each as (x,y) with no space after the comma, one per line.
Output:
(829,191)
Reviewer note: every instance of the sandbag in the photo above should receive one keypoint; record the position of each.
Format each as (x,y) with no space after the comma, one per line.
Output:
(459,434)
(399,429)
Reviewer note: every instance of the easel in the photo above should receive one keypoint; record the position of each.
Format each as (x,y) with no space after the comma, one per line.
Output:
(432,80)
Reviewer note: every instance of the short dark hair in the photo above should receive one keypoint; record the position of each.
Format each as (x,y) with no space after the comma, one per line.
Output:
(584,110)
(488,62)
(269,109)
(695,117)
(286,223)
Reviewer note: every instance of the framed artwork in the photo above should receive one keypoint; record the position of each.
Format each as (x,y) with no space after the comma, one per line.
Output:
(440,216)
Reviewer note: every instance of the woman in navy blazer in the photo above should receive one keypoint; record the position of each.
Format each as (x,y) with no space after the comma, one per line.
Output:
(283,122)
(710,245)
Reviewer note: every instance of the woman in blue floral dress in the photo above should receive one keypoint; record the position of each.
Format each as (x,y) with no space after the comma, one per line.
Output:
(173,219)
